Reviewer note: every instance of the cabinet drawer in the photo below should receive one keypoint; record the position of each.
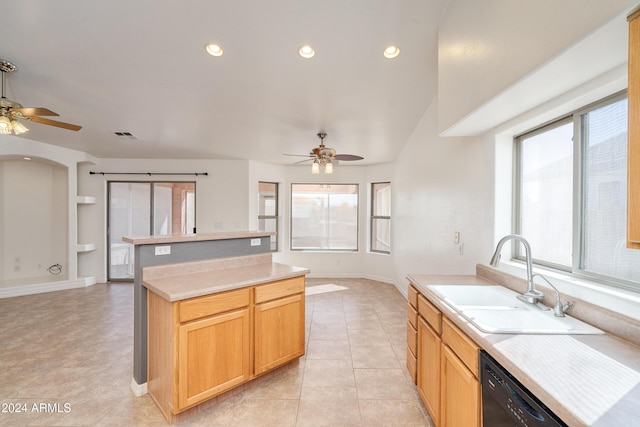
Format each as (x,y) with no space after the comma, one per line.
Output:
(412,338)
(412,364)
(461,344)
(412,294)
(279,289)
(430,313)
(196,308)
(412,315)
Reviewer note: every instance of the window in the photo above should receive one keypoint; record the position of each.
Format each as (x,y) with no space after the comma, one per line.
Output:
(603,206)
(380,217)
(546,192)
(324,217)
(145,208)
(268,210)
(571,198)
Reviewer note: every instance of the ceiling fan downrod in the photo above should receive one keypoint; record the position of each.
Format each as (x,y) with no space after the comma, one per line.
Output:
(6,67)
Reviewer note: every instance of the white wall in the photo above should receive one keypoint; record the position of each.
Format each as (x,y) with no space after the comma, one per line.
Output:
(35,210)
(491,49)
(47,185)
(221,197)
(441,185)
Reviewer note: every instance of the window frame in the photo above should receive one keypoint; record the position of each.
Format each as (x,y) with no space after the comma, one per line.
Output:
(276,217)
(576,269)
(373,217)
(357,193)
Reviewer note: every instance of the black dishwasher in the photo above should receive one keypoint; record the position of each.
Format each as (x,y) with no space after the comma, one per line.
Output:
(507,403)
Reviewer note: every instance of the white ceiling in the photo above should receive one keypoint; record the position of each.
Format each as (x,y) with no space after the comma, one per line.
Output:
(140,66)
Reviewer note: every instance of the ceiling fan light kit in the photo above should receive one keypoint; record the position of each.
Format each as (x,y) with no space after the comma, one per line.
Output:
(325,156)
(11,111)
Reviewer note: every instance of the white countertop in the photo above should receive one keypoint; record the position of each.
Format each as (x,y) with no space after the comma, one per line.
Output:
(587,380)
(175,282)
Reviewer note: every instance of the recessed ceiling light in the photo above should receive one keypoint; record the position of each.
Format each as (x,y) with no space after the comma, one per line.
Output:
(214,49)
(306,51)
(26,158)
(391,52)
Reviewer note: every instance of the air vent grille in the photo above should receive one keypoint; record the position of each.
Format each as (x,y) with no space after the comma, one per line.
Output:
(123,134)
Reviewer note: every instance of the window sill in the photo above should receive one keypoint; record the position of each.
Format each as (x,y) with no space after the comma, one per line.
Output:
(609,297)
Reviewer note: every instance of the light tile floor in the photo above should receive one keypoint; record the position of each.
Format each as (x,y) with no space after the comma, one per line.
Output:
(66,359)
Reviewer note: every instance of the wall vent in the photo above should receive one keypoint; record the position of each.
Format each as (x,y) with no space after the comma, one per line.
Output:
(123,134)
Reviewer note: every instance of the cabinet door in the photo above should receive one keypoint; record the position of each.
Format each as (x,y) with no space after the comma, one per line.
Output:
(460,393)
(429,344)
(633,159)
(279,332)
(213,356)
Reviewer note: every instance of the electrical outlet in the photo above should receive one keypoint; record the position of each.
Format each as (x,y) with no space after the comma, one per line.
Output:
(163,250)
(255,242)
(16,267)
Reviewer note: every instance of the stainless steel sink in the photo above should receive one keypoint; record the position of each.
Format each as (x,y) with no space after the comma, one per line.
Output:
(496,310)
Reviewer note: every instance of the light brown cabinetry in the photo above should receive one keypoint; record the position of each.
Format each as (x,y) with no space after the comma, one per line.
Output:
(447,369)
(201,347)
(429,353)
(213,356)
(460,387)
(412,333)
(633,154)
(279,328)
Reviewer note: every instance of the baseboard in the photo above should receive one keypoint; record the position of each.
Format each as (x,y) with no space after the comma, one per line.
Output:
(10,291)
(138,389)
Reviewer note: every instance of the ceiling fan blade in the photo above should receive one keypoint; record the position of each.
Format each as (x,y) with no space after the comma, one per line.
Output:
(299,155)
(55,123)
(303,161)
(347,157)
(30,112)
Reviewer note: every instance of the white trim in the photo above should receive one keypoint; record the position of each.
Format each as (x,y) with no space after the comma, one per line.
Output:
(38,288)
(138,389)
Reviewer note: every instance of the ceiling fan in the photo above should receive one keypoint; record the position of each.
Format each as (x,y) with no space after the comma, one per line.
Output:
(325,156)
(11,111)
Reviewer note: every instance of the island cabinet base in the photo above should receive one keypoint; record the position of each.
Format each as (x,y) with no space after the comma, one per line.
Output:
(203,347)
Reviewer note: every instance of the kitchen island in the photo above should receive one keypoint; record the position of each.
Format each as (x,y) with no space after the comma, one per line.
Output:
(218,324)
(164,250)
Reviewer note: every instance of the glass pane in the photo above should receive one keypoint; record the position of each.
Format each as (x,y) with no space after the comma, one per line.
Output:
(269,224)
(380,207)
(268,195)
(605,194)
(381,199)
(190,211)
(381,235)
(547,194)
(129,215)
(324,217)
(162,209)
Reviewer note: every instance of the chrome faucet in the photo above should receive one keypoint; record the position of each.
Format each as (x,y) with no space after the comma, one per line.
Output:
(558,308)
(532,295)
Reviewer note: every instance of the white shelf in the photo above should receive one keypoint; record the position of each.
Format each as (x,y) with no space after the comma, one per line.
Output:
(85,200)
(87,247)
